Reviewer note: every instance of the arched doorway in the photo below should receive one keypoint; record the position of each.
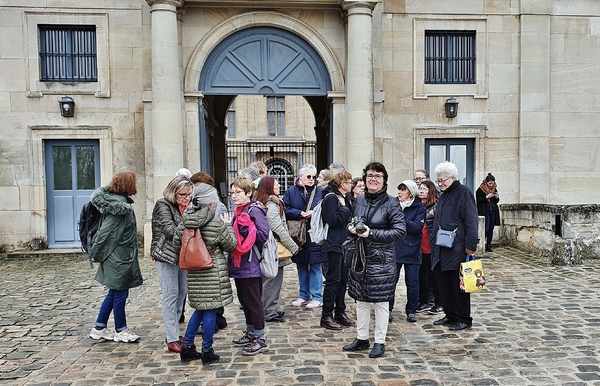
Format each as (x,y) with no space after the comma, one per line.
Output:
(272,63)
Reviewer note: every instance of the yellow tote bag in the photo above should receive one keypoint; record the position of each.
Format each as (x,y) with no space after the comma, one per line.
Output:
(283,252)
(471,275)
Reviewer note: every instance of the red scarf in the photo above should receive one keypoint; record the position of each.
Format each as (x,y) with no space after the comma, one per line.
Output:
(244,244)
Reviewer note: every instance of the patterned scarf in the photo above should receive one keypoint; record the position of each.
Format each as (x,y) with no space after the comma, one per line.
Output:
(244,244)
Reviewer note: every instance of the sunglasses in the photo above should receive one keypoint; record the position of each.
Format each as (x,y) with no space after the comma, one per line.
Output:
(310,177)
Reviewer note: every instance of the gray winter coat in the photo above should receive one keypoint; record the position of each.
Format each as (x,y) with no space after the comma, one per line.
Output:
(278,226)
(165,219)
(209,289)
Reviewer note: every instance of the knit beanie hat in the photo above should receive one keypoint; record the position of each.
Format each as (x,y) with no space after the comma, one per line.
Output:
(203,196)
(411,186)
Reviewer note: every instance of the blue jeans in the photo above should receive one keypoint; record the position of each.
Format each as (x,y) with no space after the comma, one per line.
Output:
(208,318)
(490,223)
(411,279)
(113,302)
(310,278)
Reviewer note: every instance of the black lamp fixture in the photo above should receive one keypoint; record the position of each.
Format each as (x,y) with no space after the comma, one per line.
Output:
(67,106)
(451,107)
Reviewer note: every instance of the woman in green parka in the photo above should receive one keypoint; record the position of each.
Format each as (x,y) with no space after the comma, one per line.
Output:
(115,248)
(210,289)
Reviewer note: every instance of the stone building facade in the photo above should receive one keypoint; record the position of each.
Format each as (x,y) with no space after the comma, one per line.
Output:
(376,75)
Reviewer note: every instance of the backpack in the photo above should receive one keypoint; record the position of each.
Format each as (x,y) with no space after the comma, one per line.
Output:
(90,220)
(318,229)
(269,258)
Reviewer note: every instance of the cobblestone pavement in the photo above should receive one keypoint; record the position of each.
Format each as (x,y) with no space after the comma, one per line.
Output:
(535,325)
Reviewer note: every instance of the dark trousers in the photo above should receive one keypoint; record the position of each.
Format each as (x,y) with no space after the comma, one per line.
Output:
(429,289)
(411,279)
(457,304)
(248,292)
(490,223)
(336,282)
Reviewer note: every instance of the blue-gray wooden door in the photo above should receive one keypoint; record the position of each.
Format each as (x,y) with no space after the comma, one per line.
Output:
(460,151)
(72,175)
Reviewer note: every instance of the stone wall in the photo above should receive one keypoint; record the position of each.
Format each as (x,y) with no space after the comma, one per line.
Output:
(565,234)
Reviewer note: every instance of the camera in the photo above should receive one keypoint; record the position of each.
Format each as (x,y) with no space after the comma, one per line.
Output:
(359,225)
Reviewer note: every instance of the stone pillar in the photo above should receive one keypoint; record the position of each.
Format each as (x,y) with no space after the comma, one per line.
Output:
(359,86)
(167,105)
(534,131)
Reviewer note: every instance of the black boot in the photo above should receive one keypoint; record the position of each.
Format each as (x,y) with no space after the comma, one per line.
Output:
(209,356)
(189,353)
(358,344)
(377,351)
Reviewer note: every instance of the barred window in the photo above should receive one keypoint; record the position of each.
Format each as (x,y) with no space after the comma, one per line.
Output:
(450,56)
(276,116)
(68,53)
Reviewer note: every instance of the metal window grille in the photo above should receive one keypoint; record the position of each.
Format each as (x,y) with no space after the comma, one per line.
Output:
(231,121)
(450,56)
(68,54)
(283,159)
(276,116)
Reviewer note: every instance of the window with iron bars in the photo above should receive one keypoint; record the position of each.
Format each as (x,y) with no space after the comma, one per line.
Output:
(276,116)
(450,57)
(68,53)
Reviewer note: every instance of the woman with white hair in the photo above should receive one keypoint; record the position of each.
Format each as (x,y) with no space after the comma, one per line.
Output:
(210,289)
(300,201)
(457,212)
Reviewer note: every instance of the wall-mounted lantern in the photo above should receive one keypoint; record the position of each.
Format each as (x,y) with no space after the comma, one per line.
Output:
(67,106)
(451,107)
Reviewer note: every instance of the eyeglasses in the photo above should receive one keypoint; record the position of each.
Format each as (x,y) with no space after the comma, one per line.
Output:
(186,195)
(441,181)
(236,192)
(310,177)
(419,179)
(374,177)
(347,182)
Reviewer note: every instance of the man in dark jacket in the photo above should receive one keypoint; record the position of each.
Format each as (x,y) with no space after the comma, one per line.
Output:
(456,211)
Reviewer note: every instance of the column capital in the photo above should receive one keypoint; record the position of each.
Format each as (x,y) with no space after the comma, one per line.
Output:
(365,7)
(174,3)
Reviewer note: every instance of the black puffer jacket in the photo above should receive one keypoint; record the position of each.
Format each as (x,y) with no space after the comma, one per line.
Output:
(387,225)
(337,216)
(456,209)
(165,219)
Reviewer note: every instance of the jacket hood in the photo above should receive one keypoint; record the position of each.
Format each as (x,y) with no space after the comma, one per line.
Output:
(110,203)
(200,217)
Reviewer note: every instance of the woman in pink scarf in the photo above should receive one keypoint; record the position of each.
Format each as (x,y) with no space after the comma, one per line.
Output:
(251,228)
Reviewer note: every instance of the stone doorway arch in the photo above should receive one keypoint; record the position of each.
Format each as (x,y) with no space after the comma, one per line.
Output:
(227,63)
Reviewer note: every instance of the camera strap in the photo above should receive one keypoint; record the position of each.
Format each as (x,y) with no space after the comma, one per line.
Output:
(372,212)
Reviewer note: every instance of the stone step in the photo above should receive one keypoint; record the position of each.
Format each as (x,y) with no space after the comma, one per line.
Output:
(75,253)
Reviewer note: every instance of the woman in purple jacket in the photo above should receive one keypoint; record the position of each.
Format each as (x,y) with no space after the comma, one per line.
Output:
(251,228)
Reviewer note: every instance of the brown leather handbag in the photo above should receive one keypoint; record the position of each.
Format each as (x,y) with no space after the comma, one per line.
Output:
(194,255)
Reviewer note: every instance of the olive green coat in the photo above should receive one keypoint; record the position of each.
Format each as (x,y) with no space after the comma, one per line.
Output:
(115,244)
(209,289)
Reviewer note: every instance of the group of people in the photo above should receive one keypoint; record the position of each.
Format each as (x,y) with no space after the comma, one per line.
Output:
(393,233)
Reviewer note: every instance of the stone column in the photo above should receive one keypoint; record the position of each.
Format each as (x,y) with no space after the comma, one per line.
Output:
(167,106)
(359,86)
(534,143)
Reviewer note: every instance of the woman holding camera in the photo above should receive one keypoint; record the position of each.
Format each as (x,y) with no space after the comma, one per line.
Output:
(379,220)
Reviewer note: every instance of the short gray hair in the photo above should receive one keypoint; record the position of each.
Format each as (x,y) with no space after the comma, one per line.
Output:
(305,168)
(204,196)
(447,168)
(251,173)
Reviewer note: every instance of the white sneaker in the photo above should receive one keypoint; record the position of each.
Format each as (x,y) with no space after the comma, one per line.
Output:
(314,304)
(103,334)
(299,302)
(126,336)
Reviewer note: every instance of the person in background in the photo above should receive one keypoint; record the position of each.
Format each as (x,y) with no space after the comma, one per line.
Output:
(261,167)
(183,172)
(408,250)
(210,289)
(456,211)
(166,216)
(336,212)
(251,228)
(430,298)
(253,174)
(324,178)
(335,167)
(375,286)
(205,178)
(115,247)
(310,257)
(268,195)
(487,206)
(358,186)
(420,176)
